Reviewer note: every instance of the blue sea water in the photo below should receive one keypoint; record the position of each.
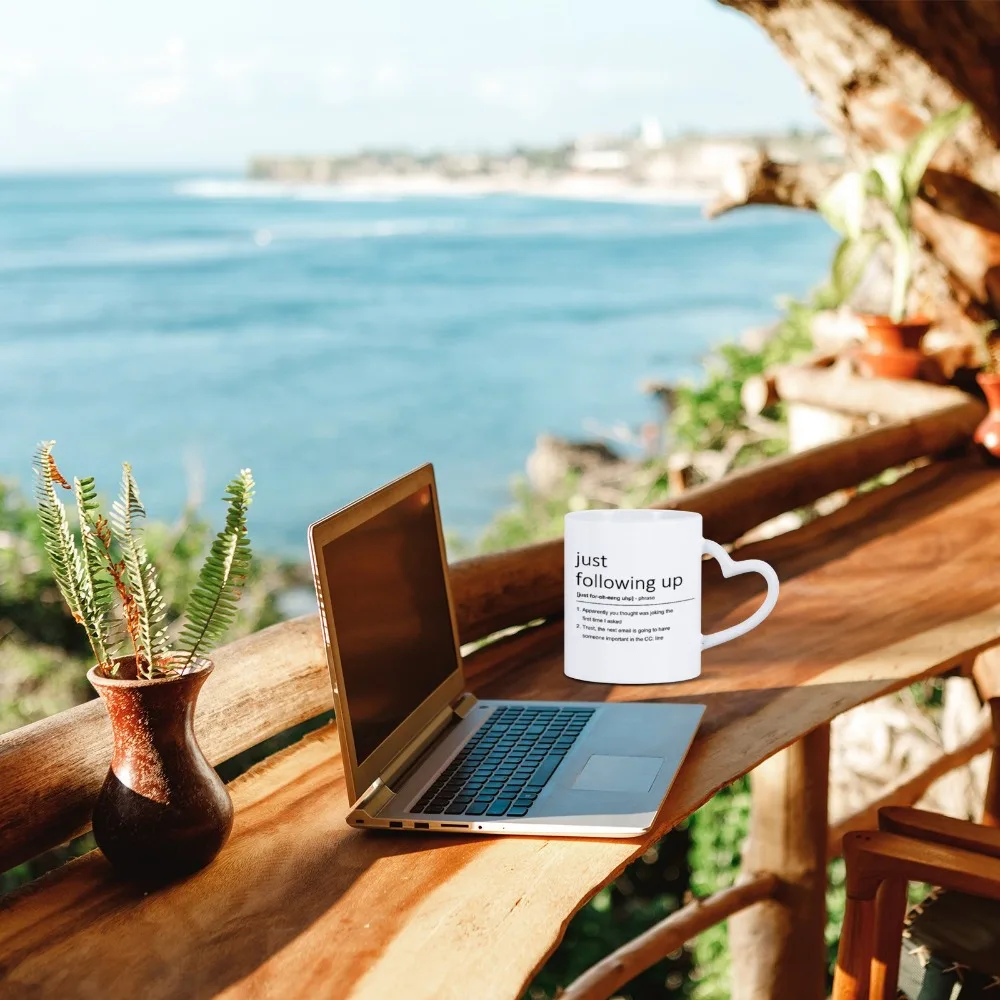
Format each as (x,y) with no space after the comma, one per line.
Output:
(198,325)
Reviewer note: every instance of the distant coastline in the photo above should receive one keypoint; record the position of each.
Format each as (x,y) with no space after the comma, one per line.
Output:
(385,187)
(643,166)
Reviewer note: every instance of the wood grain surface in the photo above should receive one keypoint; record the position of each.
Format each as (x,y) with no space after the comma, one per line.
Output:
(899,585)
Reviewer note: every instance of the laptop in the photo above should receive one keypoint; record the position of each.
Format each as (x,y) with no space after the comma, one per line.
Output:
(420,751)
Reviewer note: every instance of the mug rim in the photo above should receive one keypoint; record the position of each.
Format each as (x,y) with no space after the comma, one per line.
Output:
(632,515)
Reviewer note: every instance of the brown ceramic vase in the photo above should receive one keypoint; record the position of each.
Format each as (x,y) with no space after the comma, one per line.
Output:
(987,435)
(163,811)
(892,350)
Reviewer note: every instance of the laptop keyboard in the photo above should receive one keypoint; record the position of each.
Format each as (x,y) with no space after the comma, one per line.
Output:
(506,763)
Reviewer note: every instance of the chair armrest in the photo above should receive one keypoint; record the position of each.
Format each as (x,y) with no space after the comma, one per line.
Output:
(937,829)
(986,673)
(873,856)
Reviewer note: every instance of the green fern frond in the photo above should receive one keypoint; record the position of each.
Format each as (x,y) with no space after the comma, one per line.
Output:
(68,567)
(145,621)
(97,559)
(212,605)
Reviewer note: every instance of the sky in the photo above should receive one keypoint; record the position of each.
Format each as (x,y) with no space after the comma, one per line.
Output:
(115,84)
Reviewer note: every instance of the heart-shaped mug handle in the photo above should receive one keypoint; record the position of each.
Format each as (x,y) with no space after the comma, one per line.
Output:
(730,567)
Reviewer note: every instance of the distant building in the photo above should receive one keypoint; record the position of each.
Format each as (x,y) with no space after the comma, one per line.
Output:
(651,132)
(599,160)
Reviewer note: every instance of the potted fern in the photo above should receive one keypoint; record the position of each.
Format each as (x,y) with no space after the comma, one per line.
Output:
(162,812)
(891,180)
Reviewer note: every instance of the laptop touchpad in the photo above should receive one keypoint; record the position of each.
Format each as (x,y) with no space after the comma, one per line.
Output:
(618,774)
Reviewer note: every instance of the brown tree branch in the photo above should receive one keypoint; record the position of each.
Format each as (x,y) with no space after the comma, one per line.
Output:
(763,181)
(668,935)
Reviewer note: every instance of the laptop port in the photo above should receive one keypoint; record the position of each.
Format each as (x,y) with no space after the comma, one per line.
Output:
(456,826)
(395,824)
(422,826)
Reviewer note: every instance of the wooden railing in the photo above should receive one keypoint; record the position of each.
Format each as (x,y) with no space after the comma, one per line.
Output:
(497,591)
(601,980)
(273,680)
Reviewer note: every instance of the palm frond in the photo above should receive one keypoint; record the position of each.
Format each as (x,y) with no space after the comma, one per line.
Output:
(213,601)
(98,563)
(144,605)
(69,568)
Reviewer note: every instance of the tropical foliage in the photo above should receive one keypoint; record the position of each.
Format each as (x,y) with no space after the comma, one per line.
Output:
(111,586)
(892,180)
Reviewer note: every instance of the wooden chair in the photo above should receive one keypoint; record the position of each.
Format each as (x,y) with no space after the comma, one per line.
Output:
(952,938)
(986,674)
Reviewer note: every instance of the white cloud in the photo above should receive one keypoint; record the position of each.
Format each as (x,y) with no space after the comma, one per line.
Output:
(601,80)
(520,91)
(16,70)
(335,87)
(237,72)
(171,81)
(388,76)
(159,93)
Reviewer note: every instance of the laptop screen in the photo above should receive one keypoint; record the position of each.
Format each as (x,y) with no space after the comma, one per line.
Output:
(389,604)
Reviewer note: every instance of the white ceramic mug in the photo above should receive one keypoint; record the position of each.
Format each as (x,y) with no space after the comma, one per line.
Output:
(633,595)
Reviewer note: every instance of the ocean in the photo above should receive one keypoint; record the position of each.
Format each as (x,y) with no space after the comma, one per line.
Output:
(196,325)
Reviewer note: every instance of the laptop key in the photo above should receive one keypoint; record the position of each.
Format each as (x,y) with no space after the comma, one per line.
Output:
(499,807)
(477,808)
(545,771)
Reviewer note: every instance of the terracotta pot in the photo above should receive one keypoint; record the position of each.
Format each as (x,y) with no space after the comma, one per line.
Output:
(884,334)
(163,811)
(987,434)
(892,364)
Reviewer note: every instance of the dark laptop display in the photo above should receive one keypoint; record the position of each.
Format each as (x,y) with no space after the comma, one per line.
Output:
(390,609)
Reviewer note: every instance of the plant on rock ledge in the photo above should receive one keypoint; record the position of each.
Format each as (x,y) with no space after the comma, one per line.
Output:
(110,585)
(892,180)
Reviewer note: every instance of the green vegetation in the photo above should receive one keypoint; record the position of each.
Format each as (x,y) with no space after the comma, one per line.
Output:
(111,559)
(718,831)
(706,416)
(893,181)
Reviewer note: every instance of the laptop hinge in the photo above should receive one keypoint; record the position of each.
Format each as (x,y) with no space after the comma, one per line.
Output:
(396,770)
